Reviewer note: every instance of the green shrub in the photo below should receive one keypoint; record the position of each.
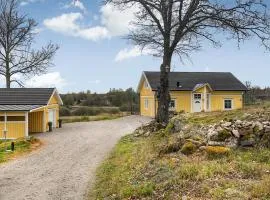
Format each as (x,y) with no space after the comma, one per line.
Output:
(223,135)
(92,111)
(86,111)
(112,110)
(188,148)
(64,111)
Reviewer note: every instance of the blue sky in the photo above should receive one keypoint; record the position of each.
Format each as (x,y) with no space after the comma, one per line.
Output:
(93,56)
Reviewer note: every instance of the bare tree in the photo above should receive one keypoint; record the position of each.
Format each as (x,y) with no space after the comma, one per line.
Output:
(171,27)
(17,57)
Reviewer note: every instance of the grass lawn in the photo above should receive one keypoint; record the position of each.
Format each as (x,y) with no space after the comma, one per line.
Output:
(22,146)
(136,170)
(72,119)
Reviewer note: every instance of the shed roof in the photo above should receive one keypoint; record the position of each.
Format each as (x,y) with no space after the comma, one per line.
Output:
(25,99)
(18,107)
(219,81)
(25,96)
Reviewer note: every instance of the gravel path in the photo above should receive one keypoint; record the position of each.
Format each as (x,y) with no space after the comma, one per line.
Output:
(65,166)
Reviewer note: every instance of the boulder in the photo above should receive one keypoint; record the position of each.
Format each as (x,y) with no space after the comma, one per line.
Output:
(247,143)
(232,142)
(212,133)
(267,129)
(226,124)
(238,122)
(236,133)
(215,143)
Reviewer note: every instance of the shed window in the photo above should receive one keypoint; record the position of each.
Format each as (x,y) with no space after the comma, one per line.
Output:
(2,118)
(227,104)
(15,118)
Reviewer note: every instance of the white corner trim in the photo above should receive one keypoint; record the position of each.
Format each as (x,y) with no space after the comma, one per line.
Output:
(26,125)
(143,76)
(191,102)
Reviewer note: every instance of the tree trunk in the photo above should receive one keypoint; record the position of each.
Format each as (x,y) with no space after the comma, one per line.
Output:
(164,99)
(8,81)
(8,76)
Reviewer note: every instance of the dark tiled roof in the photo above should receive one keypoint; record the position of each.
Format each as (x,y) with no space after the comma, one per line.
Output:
(25,96)
(219,81)
(18,107)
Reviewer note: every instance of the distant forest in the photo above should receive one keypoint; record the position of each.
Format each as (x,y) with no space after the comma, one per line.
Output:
(256,94)
(88,103)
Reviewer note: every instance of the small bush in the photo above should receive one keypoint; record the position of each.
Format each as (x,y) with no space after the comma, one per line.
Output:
(64,111)
(92,111)
(223,135)
(86,111)
(188,148)
(217,151)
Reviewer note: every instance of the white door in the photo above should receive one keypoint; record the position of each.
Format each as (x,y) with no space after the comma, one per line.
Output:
(52,117)
(197,102)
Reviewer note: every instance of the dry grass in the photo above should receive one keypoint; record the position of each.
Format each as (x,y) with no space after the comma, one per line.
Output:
(137,170)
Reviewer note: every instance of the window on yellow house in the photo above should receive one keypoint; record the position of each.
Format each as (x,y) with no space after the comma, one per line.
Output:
(227,104)
(15,118)
(146,103)
(172,104)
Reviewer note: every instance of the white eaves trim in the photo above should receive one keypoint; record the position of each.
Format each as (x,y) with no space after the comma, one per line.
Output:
(57,95)
(143,77)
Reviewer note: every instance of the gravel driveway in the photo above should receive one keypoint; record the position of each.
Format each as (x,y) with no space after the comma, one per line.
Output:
(65,166)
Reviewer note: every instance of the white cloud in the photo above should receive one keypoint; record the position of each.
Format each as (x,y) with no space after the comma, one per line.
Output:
(53,79)
(75,4)
(95,82)
(117,22)
(69,24)
(26,2)
(113,22)
(131,53)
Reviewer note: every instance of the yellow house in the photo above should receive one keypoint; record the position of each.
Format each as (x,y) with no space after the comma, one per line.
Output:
(192,92)
(28,110)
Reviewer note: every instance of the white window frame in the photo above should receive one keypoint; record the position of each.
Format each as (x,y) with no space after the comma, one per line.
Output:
(146,103)
(228,99)
(172,108)
(197,94)
(209,101)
